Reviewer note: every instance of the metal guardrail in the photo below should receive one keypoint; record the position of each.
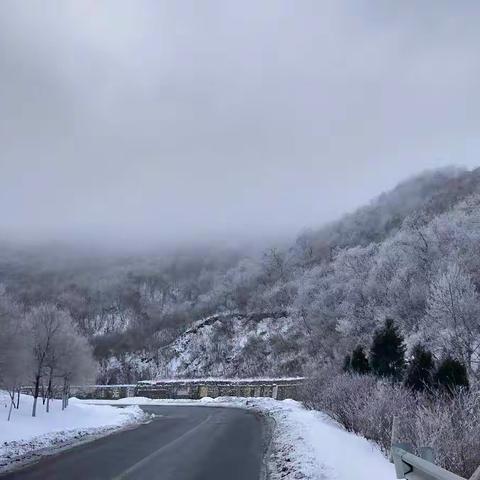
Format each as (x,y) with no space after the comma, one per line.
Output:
(412,467)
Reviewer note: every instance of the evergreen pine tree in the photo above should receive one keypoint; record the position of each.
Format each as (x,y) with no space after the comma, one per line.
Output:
(387,355)
(359,361)
(420,369)
(451,375)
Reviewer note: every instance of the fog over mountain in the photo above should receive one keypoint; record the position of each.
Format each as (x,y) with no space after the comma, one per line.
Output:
(145,122)
(281,195)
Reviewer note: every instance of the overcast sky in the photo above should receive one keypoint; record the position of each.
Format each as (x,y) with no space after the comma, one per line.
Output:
(152,120)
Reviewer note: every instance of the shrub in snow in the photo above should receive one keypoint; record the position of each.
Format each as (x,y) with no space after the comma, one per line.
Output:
(361,404)
(366,405)
(451,426)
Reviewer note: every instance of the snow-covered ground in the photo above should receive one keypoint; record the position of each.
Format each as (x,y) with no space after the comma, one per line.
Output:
(24,437)
(309,445)
(305,444)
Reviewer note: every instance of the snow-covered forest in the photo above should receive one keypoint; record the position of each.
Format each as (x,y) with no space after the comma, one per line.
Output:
(412,255)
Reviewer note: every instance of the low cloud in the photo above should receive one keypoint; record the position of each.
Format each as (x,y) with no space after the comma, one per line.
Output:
(145,121)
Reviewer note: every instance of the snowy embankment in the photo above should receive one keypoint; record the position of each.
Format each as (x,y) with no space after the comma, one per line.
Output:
(309,445)
(305,444)
(23,437)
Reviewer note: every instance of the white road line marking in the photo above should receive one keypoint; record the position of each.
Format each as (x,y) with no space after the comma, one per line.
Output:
(147,459)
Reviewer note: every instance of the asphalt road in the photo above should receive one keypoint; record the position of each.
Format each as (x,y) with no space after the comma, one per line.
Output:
(182,443)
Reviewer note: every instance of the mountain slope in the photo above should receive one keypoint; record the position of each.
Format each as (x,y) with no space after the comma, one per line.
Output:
(236,345)
(399,256)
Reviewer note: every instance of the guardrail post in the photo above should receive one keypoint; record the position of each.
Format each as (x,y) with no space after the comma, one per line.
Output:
(412,467)
(395,436)
(401,468)
(426,453)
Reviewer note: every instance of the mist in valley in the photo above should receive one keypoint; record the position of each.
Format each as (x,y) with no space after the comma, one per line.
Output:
(240,189)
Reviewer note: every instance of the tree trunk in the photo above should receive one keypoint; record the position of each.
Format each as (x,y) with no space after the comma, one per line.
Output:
(49,389)
(12,402)
(18,398)
(67,394)
(10,410)
(64,394)
(35,395)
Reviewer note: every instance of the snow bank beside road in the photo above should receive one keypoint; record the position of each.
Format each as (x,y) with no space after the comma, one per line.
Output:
(24,437)
(309,445)
(305,444)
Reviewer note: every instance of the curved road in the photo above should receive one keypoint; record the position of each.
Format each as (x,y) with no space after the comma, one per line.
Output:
(182,443)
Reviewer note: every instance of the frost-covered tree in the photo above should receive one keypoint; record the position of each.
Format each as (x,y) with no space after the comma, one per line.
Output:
(453,316)
(275,265)
(58,350)
(44,323)
(356,311)
(69,358)
(76,363)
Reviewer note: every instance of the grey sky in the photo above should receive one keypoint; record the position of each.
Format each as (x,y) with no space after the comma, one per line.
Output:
(159,120)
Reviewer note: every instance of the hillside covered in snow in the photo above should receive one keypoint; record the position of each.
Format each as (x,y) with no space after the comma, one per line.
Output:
(295,305)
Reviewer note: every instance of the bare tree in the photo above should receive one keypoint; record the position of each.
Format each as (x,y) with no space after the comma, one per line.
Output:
(45,323)
(452,315)
(15,356)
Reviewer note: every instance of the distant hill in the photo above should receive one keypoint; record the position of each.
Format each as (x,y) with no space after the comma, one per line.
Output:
(170,314)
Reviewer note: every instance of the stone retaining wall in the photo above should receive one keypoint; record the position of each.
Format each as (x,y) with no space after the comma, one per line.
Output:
(194,389)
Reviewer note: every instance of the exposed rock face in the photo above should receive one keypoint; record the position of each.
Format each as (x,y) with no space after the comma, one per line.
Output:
(237,345)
